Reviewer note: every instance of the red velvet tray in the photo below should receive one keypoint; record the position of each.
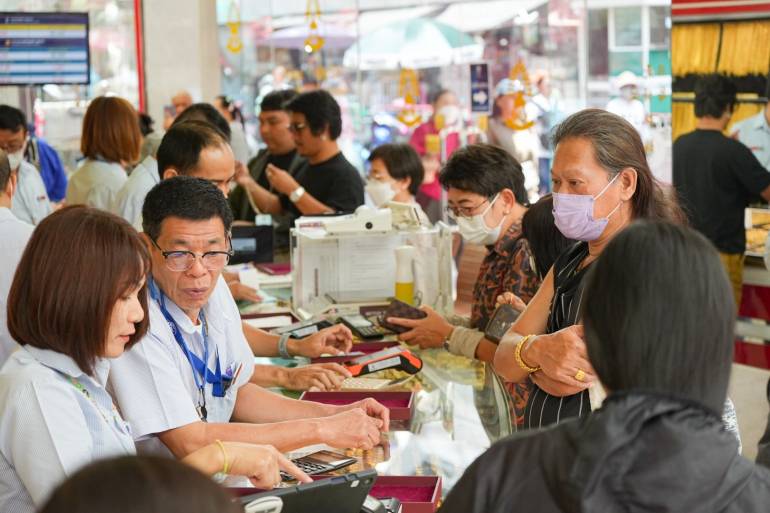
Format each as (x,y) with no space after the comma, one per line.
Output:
(363,347)
(418,494)
(399,403)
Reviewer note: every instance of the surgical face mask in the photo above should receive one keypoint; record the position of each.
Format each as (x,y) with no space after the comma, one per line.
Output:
(450,114)
(475,230)
(574,215)
(380,192)
(15,158)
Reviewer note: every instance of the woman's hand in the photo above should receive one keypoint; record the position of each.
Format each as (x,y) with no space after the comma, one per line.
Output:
(281,180)
(318,377)
(428,332)
(261,464)
(509,298)
(334,340)
(561,355)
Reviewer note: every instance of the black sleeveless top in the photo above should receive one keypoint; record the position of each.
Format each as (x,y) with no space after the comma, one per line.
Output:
(544,409)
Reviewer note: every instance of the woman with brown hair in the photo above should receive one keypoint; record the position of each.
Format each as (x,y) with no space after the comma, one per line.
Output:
(72,313)
(601,183)
(111,140)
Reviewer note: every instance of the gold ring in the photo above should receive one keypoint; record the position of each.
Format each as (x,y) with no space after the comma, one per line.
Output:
(580,375)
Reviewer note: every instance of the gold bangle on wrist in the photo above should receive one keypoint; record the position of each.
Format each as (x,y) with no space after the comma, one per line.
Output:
(225,465)
(519,359)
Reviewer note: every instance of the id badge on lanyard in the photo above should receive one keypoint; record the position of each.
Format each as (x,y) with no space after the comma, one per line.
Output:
(200,370)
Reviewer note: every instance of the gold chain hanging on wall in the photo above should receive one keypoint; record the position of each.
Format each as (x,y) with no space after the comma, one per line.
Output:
(408,88)
(234,42)
(314,42)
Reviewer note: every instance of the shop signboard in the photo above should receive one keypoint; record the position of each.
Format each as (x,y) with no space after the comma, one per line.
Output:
(480,96)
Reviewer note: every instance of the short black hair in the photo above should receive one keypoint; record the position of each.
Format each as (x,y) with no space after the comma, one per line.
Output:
(12,119)
(485,170)
(545,241)
(207,113)
(321,111)
(185,197)
(402,162)
(145,124)
(277,100)
(139,484)
(5,170)
(767,87)
(657,298)
(182,145)
(714,94)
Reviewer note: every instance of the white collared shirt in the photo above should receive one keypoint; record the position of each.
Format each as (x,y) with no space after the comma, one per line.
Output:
(30,201)
(49,428)
(754,132)
(15,235)
(153,382)
(130,199)
(96,183)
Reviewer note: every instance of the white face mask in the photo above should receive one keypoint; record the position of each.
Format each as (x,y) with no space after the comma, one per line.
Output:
(15,158)
(475,230)
(380,192)
(450,114)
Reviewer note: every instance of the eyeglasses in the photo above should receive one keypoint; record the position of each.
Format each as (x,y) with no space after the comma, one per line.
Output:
(179,261)
(456,212)
(297,127)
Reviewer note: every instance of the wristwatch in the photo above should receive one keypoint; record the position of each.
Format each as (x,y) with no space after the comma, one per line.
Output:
(296,194)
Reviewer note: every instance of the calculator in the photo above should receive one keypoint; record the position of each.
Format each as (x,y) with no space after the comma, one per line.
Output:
(363,327)
(321,462)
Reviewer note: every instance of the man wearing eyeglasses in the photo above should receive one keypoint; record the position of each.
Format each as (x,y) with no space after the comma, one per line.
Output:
(329,183)
(188,382)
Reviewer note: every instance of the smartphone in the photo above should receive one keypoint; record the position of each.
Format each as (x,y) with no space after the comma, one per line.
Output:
(501,321)
(169,111)
(363,327)
(321,462)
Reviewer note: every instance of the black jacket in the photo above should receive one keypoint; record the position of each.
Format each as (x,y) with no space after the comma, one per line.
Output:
(639,453)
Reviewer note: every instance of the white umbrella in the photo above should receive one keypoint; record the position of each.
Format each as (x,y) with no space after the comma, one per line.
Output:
(417,43)
(335,37)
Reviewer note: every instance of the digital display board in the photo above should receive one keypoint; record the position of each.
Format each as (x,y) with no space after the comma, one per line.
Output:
(39,48)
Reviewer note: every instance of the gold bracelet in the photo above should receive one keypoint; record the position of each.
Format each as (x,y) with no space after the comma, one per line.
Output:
(519,359)
(225,466)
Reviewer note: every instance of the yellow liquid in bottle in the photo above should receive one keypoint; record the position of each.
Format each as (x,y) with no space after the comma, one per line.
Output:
(405,292)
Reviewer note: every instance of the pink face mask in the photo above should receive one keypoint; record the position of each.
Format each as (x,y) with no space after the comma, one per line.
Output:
(574,215)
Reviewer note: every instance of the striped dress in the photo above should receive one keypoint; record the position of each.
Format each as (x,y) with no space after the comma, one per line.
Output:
(544,409)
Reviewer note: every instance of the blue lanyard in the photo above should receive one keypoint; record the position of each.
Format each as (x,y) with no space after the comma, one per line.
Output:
(201,373)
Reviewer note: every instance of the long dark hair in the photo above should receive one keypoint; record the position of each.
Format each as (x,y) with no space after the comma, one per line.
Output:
(617,146)
(545,241)
(139,484)
(659,314)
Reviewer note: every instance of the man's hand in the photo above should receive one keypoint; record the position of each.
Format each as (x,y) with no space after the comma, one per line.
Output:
(281,180)
(317,377)
(350,429)
(509,298)
(242,176)
(373,409)
(244,292)
(261,464)
(334,340)
(428,332)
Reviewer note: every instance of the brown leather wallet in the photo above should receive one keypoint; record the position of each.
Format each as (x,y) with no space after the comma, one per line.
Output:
(403,310)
